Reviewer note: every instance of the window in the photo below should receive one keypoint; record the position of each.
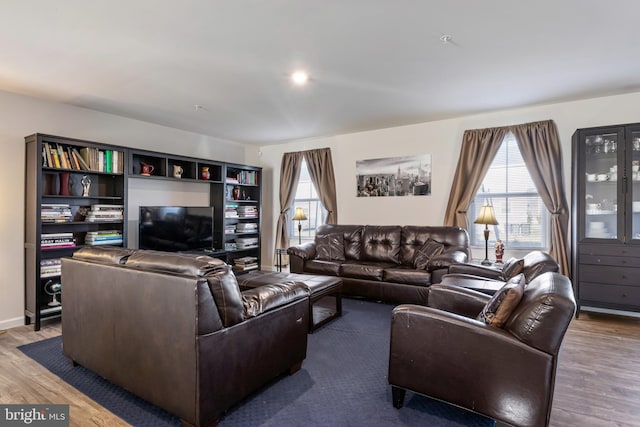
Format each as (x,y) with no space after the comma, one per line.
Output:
(523,219)
(307,199)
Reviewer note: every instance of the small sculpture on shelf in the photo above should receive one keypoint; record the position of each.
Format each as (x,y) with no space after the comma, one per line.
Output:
(86,184)
(499,251)
(236,193)
(177,171)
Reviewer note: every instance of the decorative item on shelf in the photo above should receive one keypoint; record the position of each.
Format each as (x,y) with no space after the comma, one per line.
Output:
(177,171)
(499,251)
(204,174)
(146,169)
(64,183)
(299,216)
(487,217)
(54,289)
(86,185)
(75,185)
(236,193)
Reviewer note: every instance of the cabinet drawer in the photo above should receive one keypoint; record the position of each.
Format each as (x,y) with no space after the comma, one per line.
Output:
(609,250)
(618,261)
(628,276)
(613,294)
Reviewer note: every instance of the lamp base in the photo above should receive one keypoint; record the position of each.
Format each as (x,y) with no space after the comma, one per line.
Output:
(486,262)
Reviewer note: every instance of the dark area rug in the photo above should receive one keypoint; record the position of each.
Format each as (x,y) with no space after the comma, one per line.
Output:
(343,382)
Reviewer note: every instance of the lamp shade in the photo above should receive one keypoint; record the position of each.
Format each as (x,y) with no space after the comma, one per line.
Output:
(487,216)
(299,215)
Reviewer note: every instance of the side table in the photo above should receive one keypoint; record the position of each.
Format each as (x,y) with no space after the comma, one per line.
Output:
(280,252)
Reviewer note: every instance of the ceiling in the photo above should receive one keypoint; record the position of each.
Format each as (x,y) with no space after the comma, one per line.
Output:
(373,63)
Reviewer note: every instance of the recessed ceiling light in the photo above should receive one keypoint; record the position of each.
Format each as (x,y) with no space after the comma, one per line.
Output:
(445,38)
(299,78)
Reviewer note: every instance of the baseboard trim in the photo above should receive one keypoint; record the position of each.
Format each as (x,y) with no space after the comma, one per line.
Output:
(11,323)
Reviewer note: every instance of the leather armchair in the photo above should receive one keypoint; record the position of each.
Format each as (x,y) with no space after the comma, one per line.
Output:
(531,265)
(507,374)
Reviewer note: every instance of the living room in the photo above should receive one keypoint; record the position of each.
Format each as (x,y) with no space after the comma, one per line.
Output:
(24,112)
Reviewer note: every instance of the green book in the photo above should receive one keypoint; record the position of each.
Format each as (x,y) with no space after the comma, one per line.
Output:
(108,161)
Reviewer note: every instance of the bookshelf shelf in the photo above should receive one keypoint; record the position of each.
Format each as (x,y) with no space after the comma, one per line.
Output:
(55,208)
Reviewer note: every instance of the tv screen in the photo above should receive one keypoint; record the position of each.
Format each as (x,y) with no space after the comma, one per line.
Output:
(176,228)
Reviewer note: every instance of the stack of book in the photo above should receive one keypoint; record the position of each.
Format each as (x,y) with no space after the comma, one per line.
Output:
(247,242)
(247,212)
(105,213)
(231,211)
(57,240)
(247,227)
(55,212)
(230,246)
(230,229)
(245,263)
(50,267)
(103,237)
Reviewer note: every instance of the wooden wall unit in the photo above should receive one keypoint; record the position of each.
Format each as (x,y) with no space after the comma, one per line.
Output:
(57,222)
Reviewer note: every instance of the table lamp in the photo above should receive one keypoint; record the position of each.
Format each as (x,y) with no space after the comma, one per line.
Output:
(299,216)
(487,216)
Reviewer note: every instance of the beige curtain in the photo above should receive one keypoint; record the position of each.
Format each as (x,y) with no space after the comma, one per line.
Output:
(540,148)
(289,176)
(479,147)
(320,167)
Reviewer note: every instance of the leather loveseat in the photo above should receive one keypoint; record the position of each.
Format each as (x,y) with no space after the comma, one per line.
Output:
(391,263)
(176,330)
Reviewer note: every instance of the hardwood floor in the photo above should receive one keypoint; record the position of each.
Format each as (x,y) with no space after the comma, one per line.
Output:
(597,383)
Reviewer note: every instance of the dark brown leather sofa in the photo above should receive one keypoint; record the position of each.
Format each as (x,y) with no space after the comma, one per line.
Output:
(389,263)
(176,330)
(507,373)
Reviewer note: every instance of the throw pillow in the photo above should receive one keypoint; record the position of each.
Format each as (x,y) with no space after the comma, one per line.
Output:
(423,254)
(511,268)
(503,303)
(330,247)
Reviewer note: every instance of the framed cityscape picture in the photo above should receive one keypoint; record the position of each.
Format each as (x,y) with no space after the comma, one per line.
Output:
(394,176)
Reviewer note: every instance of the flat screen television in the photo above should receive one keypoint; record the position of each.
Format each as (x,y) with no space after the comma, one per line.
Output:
(176,228)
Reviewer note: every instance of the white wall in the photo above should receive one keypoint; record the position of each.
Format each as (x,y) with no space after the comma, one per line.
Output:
(21,116)
(442,140)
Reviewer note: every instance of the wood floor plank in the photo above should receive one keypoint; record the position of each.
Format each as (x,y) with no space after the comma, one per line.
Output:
(597,382)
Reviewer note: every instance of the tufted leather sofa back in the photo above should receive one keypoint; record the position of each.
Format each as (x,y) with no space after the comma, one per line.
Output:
(352,238)
(381,243)
(414,237)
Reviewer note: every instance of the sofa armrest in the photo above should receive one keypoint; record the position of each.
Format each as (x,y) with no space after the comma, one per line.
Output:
(445,259)
(482,271)
(299,254)
(305,251)
(264,298)
(458,300)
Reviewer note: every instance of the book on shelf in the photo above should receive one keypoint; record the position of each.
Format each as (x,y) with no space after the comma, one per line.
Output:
(58,245)
(245,263)
(103,237)
(105,213)
(50,212)
(50,267)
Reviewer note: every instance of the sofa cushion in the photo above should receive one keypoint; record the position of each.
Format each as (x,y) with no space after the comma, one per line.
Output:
(511,268)
(352,235)
(222,282)
(407,275)
(364,270)
(318,266)
(503,303)
(381,243)
(330,247)
(427,251)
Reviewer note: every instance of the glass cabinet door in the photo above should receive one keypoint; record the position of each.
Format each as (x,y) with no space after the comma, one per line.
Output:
(633,184)
(603,173)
